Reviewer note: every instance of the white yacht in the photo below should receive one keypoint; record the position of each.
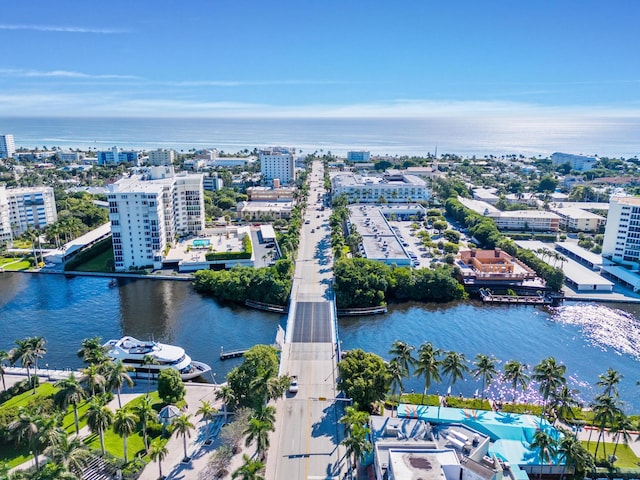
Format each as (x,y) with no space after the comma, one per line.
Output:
(132,352)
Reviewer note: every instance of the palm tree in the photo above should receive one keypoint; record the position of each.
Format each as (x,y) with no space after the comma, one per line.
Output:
(258,430)
(609,382)
(91,351)
(158,452)
(550,376)
(621,428)
(428,365)
(605,412)
(117,376)
(99,419)
(401,352)
(183,427)
(357,443)
(250,469)
(70,393)
(145,413)
(4,356)
(454,365)
(147,361)
(485,369)
(208,413)
(92,377)
(563,402)
(26,428)
(228,397)
(266,413)
(25,354)
(546,446)
(516,373)
(352,416)
(124,424)
(38,348)
(396,373)
(73,454)
(571,451)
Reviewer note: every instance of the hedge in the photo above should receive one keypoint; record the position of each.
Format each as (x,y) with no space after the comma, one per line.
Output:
(86,255)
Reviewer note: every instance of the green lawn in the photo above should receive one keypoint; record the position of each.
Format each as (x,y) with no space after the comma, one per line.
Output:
(99,263)
(8,265)
(626,458)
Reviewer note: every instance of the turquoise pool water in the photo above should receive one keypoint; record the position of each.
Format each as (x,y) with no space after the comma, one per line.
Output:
(201,242)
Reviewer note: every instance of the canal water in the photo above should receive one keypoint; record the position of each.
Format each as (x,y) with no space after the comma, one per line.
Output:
(587,338)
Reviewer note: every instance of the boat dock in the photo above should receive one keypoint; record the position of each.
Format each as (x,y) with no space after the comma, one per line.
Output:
(232,354)
(353,312)
(267,307)
(488,297)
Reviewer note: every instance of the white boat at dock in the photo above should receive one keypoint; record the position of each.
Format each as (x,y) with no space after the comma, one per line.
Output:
(133,352)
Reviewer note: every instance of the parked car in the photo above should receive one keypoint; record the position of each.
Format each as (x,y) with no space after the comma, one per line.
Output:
(293,387)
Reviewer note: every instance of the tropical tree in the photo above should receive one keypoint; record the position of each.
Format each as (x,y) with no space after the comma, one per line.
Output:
(39,349)
(208,413)
(266,413)
(93,378)
(117,376)
(4,356)
(516,373)
(147,361)
(563,401)
(621,429)
(574,454)
(455,365)
(24,354)
(99,419)
(158,453)
(546,446)
(145,412)
(605,412)
(228,397)
(396,373)
(183,426)
(92,351)
(609,382)
(485,369)
(357,443)
(428,365)
(37,431)
(363,377)
(73,454)
(70,393)
(550,376)
(171,388)
(250,469)
(258,430)
(352,416)
(402,353)
(124,424)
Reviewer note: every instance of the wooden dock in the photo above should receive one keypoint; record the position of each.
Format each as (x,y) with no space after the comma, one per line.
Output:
(354,312)
(267,307)
(232,354)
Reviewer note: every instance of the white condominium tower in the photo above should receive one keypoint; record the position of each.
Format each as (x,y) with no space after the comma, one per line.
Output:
(28,207)
(277,163)
(622,233)
(7,146)
(5,222)
(161,157)
(148,211)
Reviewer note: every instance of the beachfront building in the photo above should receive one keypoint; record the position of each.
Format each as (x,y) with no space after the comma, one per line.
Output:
(69,156)
(380,189)
(277,164)
(577,162)
(147,213)
(162,157)
(5,223)
(28,207)
(230,162)
(116,155)
(622,234)
(7,146)
(358,156)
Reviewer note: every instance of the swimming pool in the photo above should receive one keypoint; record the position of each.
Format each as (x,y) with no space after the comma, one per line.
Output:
(201,242)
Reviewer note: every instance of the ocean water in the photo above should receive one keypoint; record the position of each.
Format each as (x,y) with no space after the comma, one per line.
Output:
(587,338)
(478,136)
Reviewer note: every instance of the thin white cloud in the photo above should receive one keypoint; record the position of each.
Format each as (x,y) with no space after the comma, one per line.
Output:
(8,72)
(60,28)
(243,83)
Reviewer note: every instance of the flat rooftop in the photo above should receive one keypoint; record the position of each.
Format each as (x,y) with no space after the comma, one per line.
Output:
(580,252)
(378,239)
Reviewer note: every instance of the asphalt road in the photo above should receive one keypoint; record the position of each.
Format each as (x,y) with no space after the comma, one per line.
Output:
(306,442)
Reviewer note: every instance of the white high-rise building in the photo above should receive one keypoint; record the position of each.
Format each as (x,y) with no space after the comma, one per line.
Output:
(30,207)
(277,163)
(5,222)
(161,157)
(7,146)
(148,211)
(622,233)
(577,162)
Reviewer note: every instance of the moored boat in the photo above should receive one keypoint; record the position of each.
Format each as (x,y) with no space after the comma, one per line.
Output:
(149,358)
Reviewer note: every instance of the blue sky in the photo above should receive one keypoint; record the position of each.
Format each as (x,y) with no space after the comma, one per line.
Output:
(323,58)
